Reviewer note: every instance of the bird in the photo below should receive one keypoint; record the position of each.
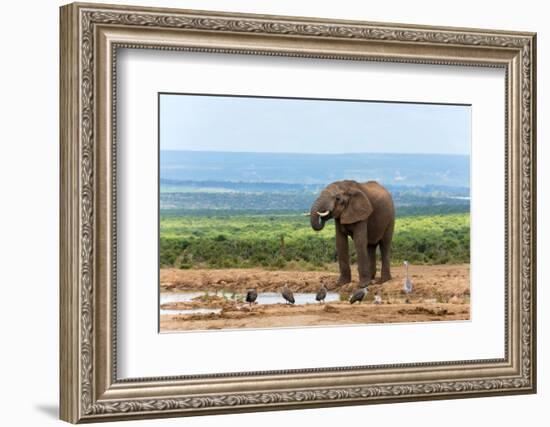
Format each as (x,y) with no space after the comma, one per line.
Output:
(321,294)
(358,295)
(288,295)
(377,299)
(251,296)
(407,286)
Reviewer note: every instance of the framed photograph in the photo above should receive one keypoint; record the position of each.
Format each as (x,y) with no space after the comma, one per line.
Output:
(237,171)
(266,212)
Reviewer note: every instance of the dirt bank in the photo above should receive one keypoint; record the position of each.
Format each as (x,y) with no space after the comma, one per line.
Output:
(339,313)
(440,292)
(440,282)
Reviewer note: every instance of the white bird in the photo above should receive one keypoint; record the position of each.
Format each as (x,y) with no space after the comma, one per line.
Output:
(407,286)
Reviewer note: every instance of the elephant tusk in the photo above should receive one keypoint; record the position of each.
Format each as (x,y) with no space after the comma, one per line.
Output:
(323,214)
(306,214)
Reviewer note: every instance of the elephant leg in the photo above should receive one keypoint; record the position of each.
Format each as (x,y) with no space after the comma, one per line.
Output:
(363,263)
(385,249)
(342,250)
(371,252)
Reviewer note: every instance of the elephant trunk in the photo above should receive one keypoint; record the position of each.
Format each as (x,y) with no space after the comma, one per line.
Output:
(317,221)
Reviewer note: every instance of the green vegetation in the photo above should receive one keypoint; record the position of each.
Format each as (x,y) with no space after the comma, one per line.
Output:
(286,240)
(402,211)
(221,210)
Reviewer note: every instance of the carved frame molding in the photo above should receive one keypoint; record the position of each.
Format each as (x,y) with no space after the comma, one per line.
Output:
(90,36)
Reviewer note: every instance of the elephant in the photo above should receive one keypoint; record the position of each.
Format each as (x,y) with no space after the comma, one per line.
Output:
(364,211)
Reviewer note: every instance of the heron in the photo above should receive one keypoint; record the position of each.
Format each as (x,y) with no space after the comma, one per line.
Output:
(358,295)
(321,294)
(251,296)
(288,295)
(407,286)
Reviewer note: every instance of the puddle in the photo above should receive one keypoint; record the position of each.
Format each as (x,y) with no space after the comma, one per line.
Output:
(192,311)
(301,298)
(264,298)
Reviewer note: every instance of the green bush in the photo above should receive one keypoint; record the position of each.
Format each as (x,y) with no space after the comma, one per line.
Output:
(287,241)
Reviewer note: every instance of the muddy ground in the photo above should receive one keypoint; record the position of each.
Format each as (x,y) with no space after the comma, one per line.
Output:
(440,293)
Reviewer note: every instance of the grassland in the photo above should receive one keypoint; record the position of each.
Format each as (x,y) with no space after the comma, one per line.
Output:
(286,241)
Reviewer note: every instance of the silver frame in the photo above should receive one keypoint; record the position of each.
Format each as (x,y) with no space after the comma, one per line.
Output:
(90,37)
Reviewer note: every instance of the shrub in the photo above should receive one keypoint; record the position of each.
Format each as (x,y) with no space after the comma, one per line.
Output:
(257,240)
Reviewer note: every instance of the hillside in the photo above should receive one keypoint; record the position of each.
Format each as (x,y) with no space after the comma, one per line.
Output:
(320,169)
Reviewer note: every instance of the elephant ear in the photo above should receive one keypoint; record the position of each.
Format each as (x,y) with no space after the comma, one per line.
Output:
(358,209)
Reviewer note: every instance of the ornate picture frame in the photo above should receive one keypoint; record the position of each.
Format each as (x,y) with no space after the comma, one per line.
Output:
(90,37)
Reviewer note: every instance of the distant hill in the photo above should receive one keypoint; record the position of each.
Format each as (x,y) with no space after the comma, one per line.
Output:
(292,201)
(314,170)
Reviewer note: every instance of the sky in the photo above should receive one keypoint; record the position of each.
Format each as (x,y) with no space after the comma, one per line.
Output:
(279,125)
